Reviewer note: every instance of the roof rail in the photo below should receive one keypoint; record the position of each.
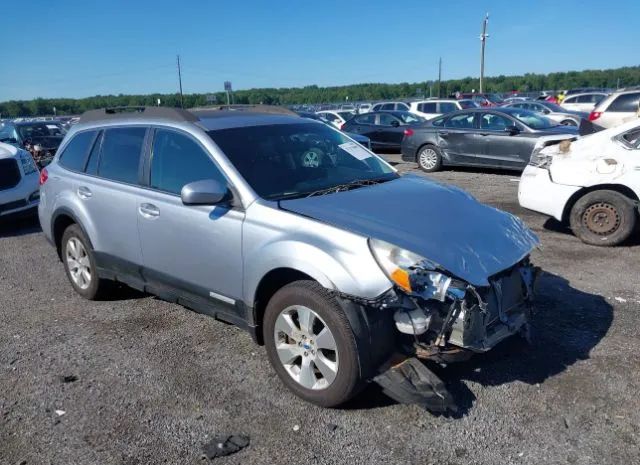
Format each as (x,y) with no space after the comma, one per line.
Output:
(176,114)
(273,109)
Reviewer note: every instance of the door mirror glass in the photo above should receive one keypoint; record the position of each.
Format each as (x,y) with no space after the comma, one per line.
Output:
(205,192)
(512,130)
(395,123)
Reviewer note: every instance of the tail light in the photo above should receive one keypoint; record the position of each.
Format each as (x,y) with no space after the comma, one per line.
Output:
(342,125)
(43,176)
(408,132)
(594,115)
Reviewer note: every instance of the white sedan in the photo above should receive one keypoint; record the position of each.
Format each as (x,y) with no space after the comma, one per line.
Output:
(336,117)
(591,182)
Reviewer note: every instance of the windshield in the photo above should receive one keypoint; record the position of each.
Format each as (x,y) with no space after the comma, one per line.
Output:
(554,107)
(494,98)
(409,118)
(464,104)
(533,120)
(295,160)
(345,115)
(29,131)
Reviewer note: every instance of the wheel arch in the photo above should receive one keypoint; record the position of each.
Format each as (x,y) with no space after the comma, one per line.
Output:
(61,220)
(620,188)
(270,283)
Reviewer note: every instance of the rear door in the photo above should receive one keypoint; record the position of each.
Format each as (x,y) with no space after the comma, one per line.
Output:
(193,248)
(364,124)
(109,193)
(390,131)
(459,139)
(501,148)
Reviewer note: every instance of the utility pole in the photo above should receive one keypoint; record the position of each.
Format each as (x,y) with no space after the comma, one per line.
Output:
(483,40)
(180,82)
(439,77)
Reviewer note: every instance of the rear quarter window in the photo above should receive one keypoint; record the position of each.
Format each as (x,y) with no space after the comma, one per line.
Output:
(625,103)
(75,153)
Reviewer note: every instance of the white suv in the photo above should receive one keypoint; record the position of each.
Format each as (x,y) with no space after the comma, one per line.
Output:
(433,108)
(592,183)
(618,108)
(19,188)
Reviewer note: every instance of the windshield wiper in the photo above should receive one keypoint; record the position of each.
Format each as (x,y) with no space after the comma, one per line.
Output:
(348,186)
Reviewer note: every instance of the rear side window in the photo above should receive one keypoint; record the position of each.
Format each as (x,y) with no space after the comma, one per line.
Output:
(627,103)
(402,106)
(462,121)
(427,107)
(178,160)
(447,107)
(367,118)
(75,153)
(387,107)
(121,149)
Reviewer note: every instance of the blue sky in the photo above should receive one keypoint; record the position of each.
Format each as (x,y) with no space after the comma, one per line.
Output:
(81,48)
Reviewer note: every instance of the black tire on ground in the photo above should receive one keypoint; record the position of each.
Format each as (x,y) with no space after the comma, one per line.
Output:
(97,287)
(348,381)
(603,217)
(429,158)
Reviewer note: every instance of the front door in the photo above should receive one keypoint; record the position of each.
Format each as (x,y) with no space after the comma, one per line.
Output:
(501,148)
(194,249)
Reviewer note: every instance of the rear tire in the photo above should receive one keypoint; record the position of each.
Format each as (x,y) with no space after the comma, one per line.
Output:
(603,217)
(80,265)
(327,377)
(429,158)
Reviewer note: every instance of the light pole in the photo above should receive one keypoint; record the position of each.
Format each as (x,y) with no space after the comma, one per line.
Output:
(483,40)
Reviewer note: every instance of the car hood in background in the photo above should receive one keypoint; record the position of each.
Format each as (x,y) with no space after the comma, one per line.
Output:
(442,223)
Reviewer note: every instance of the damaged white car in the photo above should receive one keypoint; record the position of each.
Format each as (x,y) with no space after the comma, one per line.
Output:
(591,182)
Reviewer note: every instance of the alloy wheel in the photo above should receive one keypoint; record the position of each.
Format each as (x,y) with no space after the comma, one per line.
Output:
(428,158)
(78,263)
(306,347)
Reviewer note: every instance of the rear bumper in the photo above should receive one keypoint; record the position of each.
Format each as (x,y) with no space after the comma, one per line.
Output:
(408,151)
(539,193)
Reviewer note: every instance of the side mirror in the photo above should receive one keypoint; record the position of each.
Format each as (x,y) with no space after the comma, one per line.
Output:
(512,130)
(395,123)
(546,111)
(205,192)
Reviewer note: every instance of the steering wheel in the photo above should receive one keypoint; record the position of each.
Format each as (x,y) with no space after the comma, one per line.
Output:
(312,158)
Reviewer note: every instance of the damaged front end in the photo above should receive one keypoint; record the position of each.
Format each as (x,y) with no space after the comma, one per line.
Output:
(443,319)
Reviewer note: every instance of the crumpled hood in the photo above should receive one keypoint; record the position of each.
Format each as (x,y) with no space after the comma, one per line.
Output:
(440,222)
(47,142)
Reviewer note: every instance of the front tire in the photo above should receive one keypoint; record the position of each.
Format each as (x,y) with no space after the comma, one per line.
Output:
(429,158)
(603,217)
(311,344)
(80,265)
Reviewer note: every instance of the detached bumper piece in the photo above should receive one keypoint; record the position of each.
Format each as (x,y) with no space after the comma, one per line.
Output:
(410,382)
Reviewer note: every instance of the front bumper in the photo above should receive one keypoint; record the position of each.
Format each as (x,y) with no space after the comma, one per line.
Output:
(23,197)
(539,193)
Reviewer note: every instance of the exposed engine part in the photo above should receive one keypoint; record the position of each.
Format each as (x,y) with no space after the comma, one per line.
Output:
(414,321)
(448,354)
(410,382)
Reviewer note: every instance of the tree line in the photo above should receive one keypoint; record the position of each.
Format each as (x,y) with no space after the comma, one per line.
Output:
(530,82)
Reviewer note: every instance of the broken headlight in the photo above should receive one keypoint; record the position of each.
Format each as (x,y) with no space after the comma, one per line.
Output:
(411,272)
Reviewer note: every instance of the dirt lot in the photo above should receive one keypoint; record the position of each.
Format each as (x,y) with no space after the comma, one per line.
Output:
(149,382)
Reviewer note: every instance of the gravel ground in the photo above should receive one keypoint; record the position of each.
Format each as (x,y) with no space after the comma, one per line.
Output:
(143,381)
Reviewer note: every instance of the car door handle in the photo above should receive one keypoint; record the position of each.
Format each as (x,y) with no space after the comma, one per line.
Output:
(148,210)
(84,192)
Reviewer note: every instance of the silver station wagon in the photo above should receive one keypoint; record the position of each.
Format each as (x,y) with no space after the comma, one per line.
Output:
(346,271)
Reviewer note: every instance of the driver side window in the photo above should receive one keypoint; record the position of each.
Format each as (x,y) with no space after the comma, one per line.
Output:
(386,119)
(494,122)
(178,160)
